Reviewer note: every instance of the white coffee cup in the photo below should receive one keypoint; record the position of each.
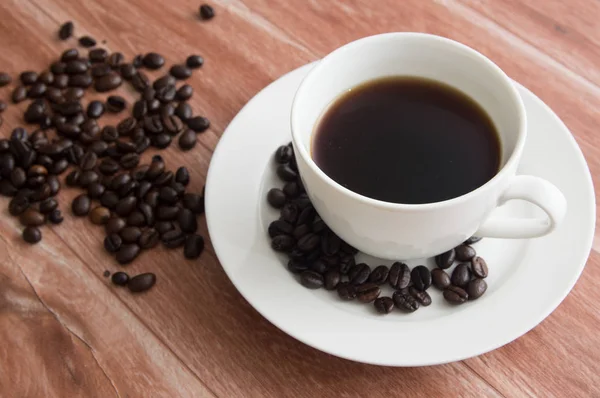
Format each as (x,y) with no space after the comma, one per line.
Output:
(401,231)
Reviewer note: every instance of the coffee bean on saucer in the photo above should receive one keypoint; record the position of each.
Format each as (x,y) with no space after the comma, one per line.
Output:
(384,305)
(127,253)
(112,243)
(379,275)
(476,288)
(367,292)
(346,291)
(472,239)
(455,295)
(445,260)
(120,278)
(332,278)
(479,267)
(286,173)
(282,243)
(141,283)
(461,275)
(280,227)
(289,213)
(346,263)
(422,297)
(464,252)
(399,275)
(284,154)
(311,280)
(32,234)
(359,274)
(404,301)
(81,205)
(440,278)
(206,12)
(309,242)
(421,277)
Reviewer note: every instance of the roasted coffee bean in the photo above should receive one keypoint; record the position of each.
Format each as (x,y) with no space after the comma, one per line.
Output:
(128,71)
(291,189)
(81,205)
(59,166)
(166,94)
(18,205)
(404,301)
(440,278)
(55,96)
(445,260)
(75,153)
(346,264)
(461,275)
(331,279)
(88,161)
(140,109)
(309,242)
(18,177)
(143,188)
(346,291)
(183,111)
(32,217)
(73,94)
(98,55)
(5,79)
(479,267)
(149,239)
(115,103)
(194,61)
(87,41)
(163,82)
(168,195)
(194,245)
(455,295)
(28,77)
(127,253)
(379,275)
(95,109)
(198,123)
(108,166)
(19,94)
(7,164)
(282,243)
(319,266)
(180,72)
(76,67)
(206,12)
(34,182)
(114,225)
(187,221)
(472,239)
(152,199)
(60,81)
(38,90)
(152,124)
(161,141)
(187,140)
(73,177)
(4,145)
(55,217)
(173,239)
(141,283)
(300,230)
(384,305)
(41,193)
(276,198)
(136,219)
(399,275)
(289,213)
(54,184)
(286,173)
(464,253)
(115,60)
(153,60)
(184,93)
(69,108)
(100,148)
(129,161)
(91,129)
(83,80)
(367,292)
(182,175)
(37,170)
(140,81)
(311,280)
(48,205)
(284,154)
(141,144)
(108,82)
(167,213)
(32,234)
(421,277)
(99,215)
(130,234)
(279,227)
(34,113)
(422,297)
(476,288)
(297,266)
(171,123)
(66,30)
(46,78)
(157,167)
(88,177)
(58,68)
(120,278)
(359,273)
(193,202)
(125,206)
(100,70)
(330,243)
(164,226)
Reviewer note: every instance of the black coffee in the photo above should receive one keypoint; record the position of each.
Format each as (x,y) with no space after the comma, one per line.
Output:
(407,140)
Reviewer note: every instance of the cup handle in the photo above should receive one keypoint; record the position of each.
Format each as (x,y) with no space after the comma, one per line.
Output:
(535,190)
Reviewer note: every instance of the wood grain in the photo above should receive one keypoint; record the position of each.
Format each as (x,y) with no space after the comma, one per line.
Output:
(65,331)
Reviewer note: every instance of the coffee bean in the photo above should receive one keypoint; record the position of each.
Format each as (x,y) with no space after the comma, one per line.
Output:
(206,12)
(163,227)
(161,141)
(100,70)
(115,60)
(379,275)
(59,166)
(32,217)
(19,94)
(163,82)
(149,239)
(289,213)
(87,41)
(184,93)
(309,242)
(141,283)
(35,182)
(130,234)
(66,30)
(461,275)
(476,288)
(405,301)
(114,225)
(140,81)
(55,217)
(120,278)
(331,279)
(125,206)
(73,177)
(128,71)
(440,278)
(187,221)
(478,267)
(168,195)
(81,205)
(69,55)
(421,277)
(46,78)
(172,124)
(153,60)
(299,231)
(75,67)
(5,79)
(399,275)
(455,295)
(319,266)
(180,72)
(18,205)
(88,161)
(194,61)
(422,297)
(60,82)
(471,240)
(129,161)
(359,273)
(58,68)
(100,215)
(276,198)
(37,170)
(136,219)
(108,82)
(464,252)
(95,109)
(140,109)
(367,292)
(18,177)
(28,77)
(193,202)
(127,253)
(48,205)
(32,234)
(38,90)
(183,111)
(115,103)
(173,239)
(346,264)
(166,94)
(346,291)
(83,80)
(194,245)
(445,260)
(279,227)
(187,140)
(152,199)
(88,177)
(311,280)
(284,154)
(98,55)
(384,305)
(282,243)
(108,167)
(198,123)
(182,175)
(286,173)
(54,184)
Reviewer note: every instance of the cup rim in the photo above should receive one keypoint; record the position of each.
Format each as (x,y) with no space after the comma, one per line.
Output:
(300,149)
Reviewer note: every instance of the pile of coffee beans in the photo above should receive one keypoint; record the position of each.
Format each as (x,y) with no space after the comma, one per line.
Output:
(139,205)
(321,259)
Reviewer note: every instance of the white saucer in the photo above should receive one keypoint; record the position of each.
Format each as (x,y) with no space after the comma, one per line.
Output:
(528,278)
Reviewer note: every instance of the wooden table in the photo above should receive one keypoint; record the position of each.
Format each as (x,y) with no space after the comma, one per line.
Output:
(66,331)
